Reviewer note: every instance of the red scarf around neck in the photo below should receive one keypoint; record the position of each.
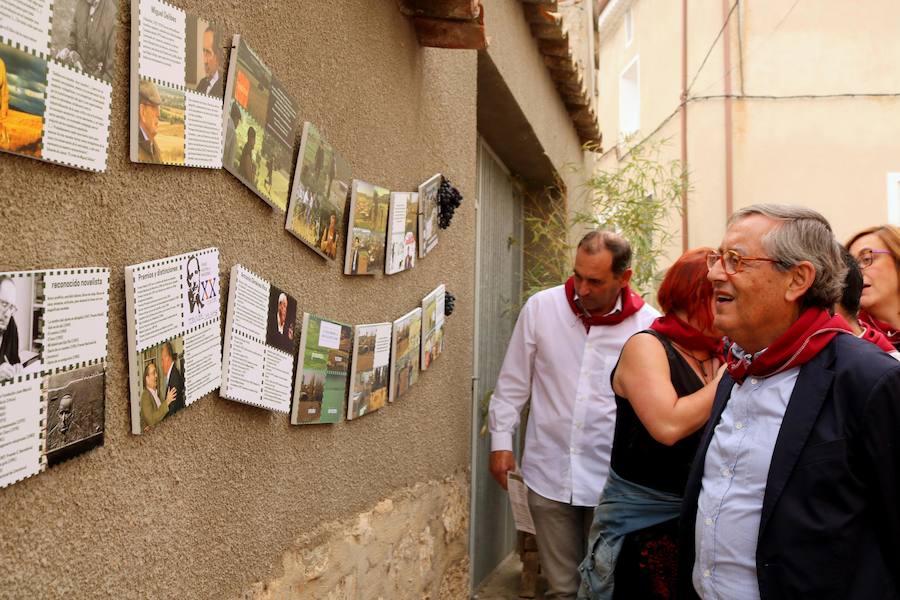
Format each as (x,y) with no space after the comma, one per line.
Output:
(796,346)
(631,303)
(686,335)
(891,333)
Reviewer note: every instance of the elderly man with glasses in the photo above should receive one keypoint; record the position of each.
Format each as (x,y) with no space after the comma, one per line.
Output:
(10,363)
(795,489)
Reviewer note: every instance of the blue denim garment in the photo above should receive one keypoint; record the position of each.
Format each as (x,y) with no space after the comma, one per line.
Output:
(624,507)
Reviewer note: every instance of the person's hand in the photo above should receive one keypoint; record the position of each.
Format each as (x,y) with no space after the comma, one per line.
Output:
(502,461)
(170,396)
(7,371)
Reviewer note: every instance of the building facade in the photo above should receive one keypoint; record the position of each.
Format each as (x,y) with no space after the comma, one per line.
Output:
(764,101)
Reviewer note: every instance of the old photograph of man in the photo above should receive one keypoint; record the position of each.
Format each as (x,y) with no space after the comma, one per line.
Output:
(282,316)
(160,123)
(20,354)
(76,402)
(23,85)
(84,36)
(204,57)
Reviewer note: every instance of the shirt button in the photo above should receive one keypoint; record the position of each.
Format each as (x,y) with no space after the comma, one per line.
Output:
(738,425)
(708,521)
(753,380)
(706,572)
(579,424)
(726,472)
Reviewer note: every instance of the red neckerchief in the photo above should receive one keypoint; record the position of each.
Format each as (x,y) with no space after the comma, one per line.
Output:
(631,303)
(686,335)
(800,343)
(885,329)
(870,334)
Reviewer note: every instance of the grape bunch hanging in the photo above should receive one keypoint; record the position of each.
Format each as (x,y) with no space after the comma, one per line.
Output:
(449,299)
(449,200)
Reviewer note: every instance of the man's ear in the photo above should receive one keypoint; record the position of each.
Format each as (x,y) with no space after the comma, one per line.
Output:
(803,274)
(626,276)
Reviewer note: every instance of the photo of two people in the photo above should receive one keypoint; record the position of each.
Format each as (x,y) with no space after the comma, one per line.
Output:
(162,383)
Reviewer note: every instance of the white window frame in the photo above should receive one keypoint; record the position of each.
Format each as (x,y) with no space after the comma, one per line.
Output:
(893,198)
(628,24)
(624,129)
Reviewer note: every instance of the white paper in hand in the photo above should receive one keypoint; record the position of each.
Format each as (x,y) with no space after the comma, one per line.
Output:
(518,501)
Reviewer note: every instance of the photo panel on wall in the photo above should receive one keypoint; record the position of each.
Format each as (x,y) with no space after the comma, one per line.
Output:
(319,194)
(260,334)
(172,321)
(53,351)
(57,63)
(178,65)
(259,121)
(366,229)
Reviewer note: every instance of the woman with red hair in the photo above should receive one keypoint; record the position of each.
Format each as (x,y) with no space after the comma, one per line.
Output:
(664,384)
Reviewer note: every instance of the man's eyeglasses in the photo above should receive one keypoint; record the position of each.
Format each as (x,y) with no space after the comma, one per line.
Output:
(867,257)
(731,261)
(6,307)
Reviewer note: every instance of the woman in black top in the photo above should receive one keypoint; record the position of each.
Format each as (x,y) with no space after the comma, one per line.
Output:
(664,383)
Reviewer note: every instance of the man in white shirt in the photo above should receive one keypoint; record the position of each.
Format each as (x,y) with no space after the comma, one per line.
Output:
(564,346)
(795,490)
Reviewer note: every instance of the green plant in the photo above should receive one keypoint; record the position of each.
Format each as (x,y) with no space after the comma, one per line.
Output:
(635,199)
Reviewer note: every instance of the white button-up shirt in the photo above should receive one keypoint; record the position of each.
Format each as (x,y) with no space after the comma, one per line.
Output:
(566,373)
(735,471)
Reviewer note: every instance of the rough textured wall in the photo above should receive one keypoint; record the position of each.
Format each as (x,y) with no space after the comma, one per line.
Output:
(209,502)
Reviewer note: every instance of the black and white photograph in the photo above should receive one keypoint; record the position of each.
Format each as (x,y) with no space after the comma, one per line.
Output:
(76,401)
(84,36)
(21,312)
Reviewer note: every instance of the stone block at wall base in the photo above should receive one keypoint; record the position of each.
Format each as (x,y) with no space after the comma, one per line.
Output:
(410,546)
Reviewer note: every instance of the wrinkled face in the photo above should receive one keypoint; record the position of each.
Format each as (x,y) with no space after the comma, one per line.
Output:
(595,282)
(880,281)
(149,118)
(193,277)
(750,306)
(282,310)
(152,378)
(7,303)
(66,404)
(210,60)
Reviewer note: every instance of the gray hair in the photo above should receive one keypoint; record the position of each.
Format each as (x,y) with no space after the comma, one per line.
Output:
(598,240)
(803,235)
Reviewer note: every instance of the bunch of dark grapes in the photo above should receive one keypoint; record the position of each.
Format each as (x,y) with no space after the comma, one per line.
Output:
(449,299)
(449,200)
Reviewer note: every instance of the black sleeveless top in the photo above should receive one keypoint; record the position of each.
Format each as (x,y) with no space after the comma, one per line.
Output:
(636,456)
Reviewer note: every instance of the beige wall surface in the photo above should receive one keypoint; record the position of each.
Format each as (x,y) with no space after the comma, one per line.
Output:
(829,153)
(519,62)
(209,502)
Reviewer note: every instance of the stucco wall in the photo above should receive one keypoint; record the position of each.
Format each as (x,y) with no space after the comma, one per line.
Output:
(209,503)
(515,54)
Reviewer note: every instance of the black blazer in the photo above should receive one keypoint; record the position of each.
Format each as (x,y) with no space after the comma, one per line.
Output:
(176,380)
(830,524)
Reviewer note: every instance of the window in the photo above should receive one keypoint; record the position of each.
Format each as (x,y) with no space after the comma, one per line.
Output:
(629,27)
(630,99)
